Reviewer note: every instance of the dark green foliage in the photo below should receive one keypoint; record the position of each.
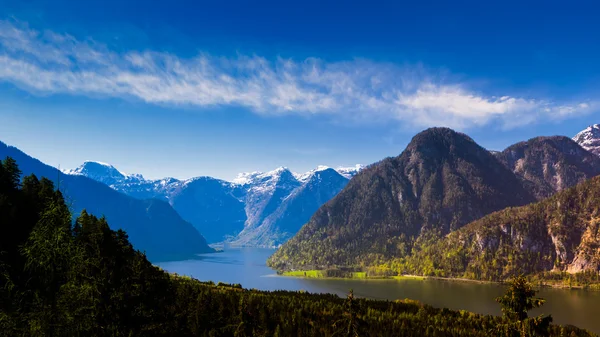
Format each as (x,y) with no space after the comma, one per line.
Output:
(517,301)
(351,325)
(84,279)
(10,174)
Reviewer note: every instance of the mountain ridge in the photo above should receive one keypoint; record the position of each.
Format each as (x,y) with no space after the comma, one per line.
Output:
(153,225)
(223,210)
(441,182)
(550,164)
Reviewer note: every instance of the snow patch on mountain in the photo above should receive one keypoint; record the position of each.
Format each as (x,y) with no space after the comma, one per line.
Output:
(249,178)
(589,139)
(306,176)
(245,178)
(104,173)
(350,172)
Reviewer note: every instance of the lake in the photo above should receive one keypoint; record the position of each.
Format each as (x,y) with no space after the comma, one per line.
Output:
(247,267)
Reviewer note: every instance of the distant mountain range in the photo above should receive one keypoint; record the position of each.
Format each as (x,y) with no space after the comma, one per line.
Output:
(440,183)
(153,225)
(255,209)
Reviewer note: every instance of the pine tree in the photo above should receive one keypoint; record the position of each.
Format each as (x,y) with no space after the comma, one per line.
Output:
(11,174)
(247,325)
(516,302)
(518,299)
(48,253)
(351,324)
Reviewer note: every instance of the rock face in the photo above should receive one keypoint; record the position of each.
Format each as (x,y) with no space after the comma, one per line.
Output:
(152,225)
(550,164)
(560,233)
(441,182)
(252,210)
(295,209)
(589,139)
(264,193)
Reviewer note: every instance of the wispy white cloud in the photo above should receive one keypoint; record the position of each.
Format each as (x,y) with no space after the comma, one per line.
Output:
(48,62)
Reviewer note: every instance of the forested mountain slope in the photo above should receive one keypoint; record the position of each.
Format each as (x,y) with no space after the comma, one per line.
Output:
(442,181)
(153,225)
(561,233)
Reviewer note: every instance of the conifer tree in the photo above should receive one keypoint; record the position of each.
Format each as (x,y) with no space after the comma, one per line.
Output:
(48,253)
(351,324)
(519,299)
(10,174)
(516,302)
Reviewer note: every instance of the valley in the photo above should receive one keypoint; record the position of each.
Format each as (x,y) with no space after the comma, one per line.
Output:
(445,209)
(247,267)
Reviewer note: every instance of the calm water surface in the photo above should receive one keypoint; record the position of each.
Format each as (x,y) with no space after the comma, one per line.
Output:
(247,266)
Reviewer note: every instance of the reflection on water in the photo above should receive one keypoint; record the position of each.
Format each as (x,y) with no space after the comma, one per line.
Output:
(247,266)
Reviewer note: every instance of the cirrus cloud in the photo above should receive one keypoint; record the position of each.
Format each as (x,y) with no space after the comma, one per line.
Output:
(47,62)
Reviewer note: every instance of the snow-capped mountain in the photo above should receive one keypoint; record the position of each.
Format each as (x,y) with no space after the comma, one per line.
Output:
(350,172)
(589,139)
(295,209)
(104,173)
(263,193)
(256,208)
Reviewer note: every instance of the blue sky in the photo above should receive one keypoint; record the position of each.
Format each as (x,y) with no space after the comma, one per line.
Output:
(188,88)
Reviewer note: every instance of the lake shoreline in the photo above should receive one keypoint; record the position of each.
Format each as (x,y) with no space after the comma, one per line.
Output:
(247,267)
(319,274)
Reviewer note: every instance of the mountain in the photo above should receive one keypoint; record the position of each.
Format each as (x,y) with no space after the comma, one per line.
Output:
(349,172)
(550,164)
(104,173)
(441,181)
(589,139)
(150,189)
(152,225)
(211,206)
(251,210)
(319,186)
(263,193)
(560,233)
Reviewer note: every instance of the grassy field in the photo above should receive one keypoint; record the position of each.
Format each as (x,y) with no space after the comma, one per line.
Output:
(358,275)
(305,273)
